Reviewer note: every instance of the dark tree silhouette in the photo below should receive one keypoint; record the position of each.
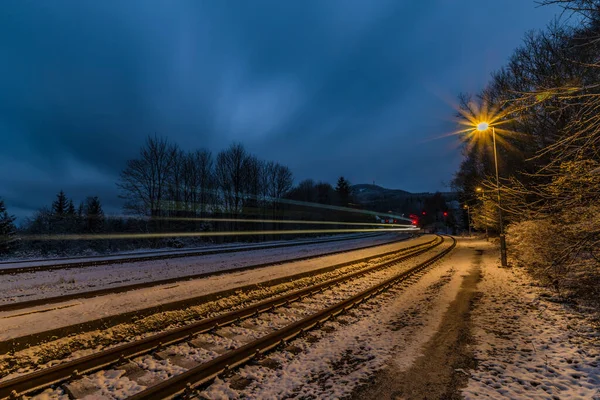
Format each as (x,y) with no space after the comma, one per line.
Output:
(7,230)
(230,174)
(144,181)
(344,191)
(71,209)
(94,215)
(60,206)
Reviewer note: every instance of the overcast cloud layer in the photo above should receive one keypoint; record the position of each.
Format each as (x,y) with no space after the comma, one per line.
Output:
(327,87)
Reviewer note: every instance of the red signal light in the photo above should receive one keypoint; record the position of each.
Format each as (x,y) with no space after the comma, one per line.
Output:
(445,213)
(424,213)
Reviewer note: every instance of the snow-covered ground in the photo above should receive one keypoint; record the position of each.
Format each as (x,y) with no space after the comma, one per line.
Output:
(526,345)
(23,262)
(174,360)
(31,286)
(529,346)
(37,319)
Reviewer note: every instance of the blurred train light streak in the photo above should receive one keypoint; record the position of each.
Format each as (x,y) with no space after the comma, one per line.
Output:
(270,221)
(118,236)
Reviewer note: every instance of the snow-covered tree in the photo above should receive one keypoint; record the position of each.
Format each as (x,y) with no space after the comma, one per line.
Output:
(546,102)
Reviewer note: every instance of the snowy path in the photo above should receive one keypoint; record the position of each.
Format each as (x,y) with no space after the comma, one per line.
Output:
(43,284)
(17,323)
(530,347)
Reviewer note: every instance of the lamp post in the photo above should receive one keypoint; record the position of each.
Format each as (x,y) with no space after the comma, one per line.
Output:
(483,127)
(487,236)
(466,207)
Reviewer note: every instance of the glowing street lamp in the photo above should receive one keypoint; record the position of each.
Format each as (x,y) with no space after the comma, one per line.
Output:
(484,127)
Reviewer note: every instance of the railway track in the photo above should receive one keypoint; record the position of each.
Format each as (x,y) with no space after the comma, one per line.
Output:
(12,268)
(70,374)
(21,305)
(21,343)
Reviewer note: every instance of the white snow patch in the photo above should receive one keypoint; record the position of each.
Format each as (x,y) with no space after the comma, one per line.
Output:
(530,347)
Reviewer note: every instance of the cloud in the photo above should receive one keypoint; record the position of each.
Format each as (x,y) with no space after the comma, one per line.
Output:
(328,88)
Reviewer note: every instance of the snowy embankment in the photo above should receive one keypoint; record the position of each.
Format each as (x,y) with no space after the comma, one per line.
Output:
(528,346)
(43,284)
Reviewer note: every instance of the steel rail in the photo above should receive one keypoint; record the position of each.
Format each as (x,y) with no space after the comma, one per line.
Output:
(152,257)
(204,373)
(20,305)
(87,364)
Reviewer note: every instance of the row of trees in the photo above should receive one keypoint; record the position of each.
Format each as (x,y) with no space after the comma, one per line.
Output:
(62,217)
(166,189)
(164,181)
(179,190)
(545,104)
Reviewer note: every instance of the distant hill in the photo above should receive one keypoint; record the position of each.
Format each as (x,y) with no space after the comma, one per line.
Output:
(382,199)
(366,191)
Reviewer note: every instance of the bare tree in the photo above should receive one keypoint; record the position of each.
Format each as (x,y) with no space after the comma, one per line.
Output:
(277,180)
(283,182)
(176,185)
(205,181)
(144,181)
(252,185)
(230,174)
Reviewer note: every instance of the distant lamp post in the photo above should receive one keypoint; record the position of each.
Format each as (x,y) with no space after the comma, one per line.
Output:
(466,207)
(487,236)
(484,127)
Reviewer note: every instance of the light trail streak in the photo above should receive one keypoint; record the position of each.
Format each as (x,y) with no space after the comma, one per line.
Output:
(117,236)
(274,221)
(169,204)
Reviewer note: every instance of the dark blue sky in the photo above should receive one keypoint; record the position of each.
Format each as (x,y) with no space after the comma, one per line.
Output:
(327,87)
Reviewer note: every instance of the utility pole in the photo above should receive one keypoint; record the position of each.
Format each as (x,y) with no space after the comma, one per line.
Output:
(487,236)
